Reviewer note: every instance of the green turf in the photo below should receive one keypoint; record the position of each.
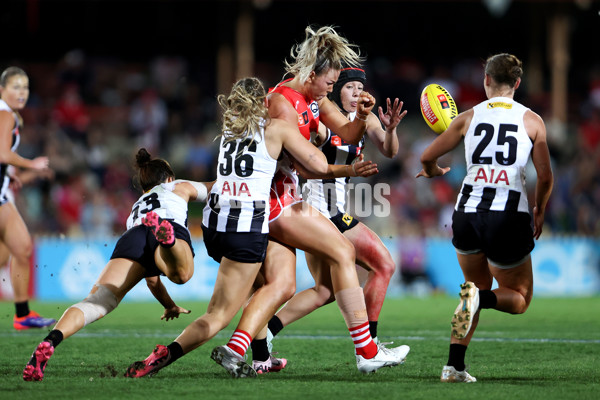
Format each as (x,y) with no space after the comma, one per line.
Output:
(551,352)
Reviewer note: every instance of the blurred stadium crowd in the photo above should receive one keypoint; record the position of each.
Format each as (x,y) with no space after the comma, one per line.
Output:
(90,115)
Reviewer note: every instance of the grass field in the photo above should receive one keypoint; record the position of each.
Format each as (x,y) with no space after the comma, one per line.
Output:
(551,352)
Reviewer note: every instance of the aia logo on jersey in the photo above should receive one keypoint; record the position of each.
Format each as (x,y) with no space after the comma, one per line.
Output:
(443,101)
(303,118)
(336,140)
(314,107)
(502,177)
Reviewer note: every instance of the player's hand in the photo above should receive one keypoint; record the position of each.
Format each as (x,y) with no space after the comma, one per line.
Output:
(363,168)
(15,182)
(40,163)
(365,104)
(173,312)
(436,171)
(393,114)
(538,222)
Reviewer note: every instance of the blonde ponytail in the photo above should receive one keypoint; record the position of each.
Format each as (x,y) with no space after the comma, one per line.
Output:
(244,110)
(321,51)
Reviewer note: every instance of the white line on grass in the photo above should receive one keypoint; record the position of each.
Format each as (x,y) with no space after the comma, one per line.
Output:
(172,334)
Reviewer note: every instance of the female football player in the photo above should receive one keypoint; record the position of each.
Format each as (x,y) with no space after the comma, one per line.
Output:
(491,223)
(14,93)
(157,242)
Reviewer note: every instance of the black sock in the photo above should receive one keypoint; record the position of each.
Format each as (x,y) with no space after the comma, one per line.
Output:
(22,308)
(260,350)
(456,358)
(373,328)
(175,351)
(487,299)
(54,337)
(275,325)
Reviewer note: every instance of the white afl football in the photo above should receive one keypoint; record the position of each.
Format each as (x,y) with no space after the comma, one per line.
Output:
(438,107)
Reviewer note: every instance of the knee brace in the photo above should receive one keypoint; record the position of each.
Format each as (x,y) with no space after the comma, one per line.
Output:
(97,304)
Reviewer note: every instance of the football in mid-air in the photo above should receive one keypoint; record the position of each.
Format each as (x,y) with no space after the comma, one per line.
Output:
(438,107)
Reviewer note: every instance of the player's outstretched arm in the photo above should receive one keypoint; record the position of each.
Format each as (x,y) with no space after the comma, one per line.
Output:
(444,143)
(385,138)
(159,291)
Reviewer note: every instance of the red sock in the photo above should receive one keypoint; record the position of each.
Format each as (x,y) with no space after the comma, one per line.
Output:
(363,343)
(239,342)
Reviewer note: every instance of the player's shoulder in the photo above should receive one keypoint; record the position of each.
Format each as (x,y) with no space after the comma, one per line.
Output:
(463,119)
(4,106)
(533,116)
(280,107)
(534,125)
(279,126)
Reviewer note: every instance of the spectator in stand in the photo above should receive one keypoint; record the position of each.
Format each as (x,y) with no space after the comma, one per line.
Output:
(71,114)
(148,118)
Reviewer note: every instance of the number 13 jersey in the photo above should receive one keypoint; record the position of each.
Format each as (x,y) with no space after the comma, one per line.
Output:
(163,202)
(497,149)
(238,201)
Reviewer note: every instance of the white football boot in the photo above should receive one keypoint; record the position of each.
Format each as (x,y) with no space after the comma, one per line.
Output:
(232,362)
(450,374)
(465,312)
(384,358)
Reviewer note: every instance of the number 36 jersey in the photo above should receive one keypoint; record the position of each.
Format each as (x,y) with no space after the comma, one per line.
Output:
(238,201)
(497,149)
(163,202)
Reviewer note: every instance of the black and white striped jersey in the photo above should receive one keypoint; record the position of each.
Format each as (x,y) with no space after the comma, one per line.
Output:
(161,200)
(239,199)
(497,149)
(329,195)
(16,139)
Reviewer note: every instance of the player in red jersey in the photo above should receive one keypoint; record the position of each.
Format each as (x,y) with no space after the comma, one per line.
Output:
(328,196)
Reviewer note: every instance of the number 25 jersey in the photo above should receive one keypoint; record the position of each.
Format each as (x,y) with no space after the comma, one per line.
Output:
(497,149)
(238,201)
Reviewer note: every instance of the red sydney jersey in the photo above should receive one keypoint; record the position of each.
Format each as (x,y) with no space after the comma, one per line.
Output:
(308,114)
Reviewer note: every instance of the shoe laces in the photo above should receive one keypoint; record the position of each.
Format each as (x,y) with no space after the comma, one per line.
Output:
(386,351)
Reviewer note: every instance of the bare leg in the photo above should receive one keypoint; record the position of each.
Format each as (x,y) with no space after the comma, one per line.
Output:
(302,227)
(475,269)
(513,295)
(232,288)
(306,229)
(280,284)
(372,255)
(176,262)
(308,300)
(515,286)
(173,256)
(15,236)
(119,276)
(4,254)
